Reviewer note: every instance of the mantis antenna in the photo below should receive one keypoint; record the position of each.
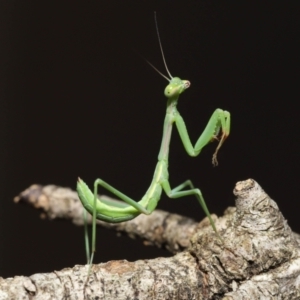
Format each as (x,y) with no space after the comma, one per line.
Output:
(151,65)
(162,53)
(160,45)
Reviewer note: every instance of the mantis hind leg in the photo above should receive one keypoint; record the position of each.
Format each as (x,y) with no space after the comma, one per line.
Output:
(178,192)
(86,237)
(121,196)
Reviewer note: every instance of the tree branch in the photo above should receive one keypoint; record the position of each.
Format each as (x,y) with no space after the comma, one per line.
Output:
(259,259)
(161,228)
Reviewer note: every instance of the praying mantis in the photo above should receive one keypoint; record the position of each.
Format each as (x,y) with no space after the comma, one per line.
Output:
(113,211)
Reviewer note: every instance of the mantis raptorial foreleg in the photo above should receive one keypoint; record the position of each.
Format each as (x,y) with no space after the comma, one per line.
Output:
(220,119)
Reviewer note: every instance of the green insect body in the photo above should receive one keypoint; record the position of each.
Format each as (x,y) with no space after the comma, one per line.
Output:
(114,211)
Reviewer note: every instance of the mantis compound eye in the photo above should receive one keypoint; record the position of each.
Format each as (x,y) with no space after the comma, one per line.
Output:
(187,84)
(171,90)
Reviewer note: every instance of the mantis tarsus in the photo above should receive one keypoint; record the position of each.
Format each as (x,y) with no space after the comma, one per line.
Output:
(117,211)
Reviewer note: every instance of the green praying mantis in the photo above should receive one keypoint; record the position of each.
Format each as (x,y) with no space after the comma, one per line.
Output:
(113,211)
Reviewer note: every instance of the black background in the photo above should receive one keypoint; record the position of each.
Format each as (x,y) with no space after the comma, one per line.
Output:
(76,100)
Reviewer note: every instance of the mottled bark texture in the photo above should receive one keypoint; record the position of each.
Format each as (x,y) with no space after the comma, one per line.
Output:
(161,228)
(258,258)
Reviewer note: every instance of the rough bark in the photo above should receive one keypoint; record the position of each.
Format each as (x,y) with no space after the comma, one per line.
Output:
(258,259)
(161,228)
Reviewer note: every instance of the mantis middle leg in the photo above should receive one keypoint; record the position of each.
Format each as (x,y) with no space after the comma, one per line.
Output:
(178,192)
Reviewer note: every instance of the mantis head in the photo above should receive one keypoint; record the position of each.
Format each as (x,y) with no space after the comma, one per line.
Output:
(176,87)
